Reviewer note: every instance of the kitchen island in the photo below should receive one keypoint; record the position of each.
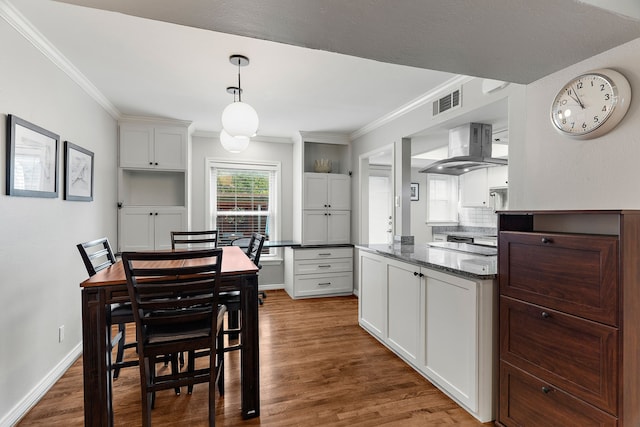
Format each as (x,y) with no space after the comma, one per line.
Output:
(434,307)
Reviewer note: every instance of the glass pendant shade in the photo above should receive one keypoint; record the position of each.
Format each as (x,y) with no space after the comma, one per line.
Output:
(240,119)
(233,144)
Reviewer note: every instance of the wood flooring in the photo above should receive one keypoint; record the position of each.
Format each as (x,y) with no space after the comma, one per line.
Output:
(317,368)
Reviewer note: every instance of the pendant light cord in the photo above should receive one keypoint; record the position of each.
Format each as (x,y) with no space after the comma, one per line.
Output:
(239,87)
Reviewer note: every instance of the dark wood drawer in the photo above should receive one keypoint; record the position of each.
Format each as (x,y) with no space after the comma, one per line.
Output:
(526,401)
(574,273)
(577,355)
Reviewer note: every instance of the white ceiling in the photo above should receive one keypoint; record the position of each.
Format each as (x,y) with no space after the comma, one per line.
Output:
(175,65)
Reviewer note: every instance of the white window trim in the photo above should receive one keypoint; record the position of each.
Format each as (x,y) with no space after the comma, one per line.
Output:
(210,202)
(453,204)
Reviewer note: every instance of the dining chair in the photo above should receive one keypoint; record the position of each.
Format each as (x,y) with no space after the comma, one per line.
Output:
(194,239)
(174,296)
(253,250)
(97,255)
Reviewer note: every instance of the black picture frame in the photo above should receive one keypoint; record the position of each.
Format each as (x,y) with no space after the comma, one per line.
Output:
(415,191)
(32,159)
(78,173)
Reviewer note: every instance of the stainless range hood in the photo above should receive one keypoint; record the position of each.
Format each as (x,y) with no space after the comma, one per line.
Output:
(470,147)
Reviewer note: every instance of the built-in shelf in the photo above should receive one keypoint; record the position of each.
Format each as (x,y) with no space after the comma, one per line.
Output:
(152,188)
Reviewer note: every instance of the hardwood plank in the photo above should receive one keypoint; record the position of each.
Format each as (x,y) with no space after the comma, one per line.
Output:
(318,368)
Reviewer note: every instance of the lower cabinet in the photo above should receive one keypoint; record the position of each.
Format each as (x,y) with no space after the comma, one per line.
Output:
(149,228)
(441,324)
(313,272)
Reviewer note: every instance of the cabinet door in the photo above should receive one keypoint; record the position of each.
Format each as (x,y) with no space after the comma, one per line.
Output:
(170,148)
(314,225)
(451,355)
(473,189)
(372,301)
(136,229)
(339,189)
(166,221)
(498,176)
(136,146)
(316,195)
(338,227)
(403,302)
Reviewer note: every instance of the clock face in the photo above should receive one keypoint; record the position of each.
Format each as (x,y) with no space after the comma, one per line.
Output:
(590,104)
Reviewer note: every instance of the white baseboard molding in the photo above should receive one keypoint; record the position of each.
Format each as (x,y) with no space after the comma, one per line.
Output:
(34,396)
(271,287)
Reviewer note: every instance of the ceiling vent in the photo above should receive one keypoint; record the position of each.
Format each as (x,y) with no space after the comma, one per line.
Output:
(446,103)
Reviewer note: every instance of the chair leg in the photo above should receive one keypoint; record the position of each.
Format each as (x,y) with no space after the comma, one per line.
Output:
(122,330)
(175,370)
(147,373)
(191,365)
(220,364)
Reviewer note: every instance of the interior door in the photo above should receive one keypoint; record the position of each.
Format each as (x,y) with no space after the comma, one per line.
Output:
(380,208)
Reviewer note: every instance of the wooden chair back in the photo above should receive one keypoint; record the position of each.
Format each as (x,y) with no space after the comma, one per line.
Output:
(96,255)
(174,293)
(252,245)
(194,239)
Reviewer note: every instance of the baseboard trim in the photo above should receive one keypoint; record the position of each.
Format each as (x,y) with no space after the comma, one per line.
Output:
(38,392)
(271,287)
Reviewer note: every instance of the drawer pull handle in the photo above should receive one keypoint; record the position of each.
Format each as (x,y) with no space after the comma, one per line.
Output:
(421,274)
(546,240)
(545,315)
(415,273)
(325,266)
(324,284)
(545,390)
(327,254)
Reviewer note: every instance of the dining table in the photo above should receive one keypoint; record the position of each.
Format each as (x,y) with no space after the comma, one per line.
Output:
(109,286)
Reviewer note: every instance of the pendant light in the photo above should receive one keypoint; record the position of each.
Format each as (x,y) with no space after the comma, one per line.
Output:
(239,119)
(233,144)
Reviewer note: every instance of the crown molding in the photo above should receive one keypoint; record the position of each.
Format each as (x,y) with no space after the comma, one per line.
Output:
(18,21)
(125,118)
(422,100)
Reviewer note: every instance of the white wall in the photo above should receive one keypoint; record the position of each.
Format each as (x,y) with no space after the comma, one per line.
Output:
(39,264)
(549,171)
(204,147)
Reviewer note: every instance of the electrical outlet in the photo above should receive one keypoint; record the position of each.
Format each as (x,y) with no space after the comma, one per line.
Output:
(61,333)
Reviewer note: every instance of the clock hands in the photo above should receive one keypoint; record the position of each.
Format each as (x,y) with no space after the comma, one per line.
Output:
(575,97)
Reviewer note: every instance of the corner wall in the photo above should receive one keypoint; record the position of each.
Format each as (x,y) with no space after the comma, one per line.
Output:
(39,264)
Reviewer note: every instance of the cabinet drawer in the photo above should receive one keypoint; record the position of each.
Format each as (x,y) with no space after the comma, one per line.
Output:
(323,253)
(330,265)
(577,355)
(323,284)
(573,273)
(526,401)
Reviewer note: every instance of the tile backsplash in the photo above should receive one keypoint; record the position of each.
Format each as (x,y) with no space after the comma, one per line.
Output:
(477,217)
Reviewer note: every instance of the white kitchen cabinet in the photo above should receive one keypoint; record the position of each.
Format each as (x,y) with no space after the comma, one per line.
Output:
(149,228)
(441,324)
(315,272)
(372,297)
(327,191)
(451,335)
(474,191)
(153,147)
(153,182)
(404,286)
(498,176)
(326,217)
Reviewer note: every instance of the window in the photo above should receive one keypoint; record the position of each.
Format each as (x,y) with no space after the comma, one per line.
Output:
(243,199)
(442,199)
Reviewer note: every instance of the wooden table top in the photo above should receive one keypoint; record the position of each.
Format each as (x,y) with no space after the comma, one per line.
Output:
(234,262)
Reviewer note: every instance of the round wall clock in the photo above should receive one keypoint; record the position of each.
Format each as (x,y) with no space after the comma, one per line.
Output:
(591,104)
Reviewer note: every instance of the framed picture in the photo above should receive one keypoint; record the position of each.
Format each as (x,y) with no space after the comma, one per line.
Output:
(415,191)
(32,159)
(78,173)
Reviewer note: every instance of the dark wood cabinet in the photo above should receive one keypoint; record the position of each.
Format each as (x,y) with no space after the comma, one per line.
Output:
(569,318)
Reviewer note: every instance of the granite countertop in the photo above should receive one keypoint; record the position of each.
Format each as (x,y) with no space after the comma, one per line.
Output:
(445,260)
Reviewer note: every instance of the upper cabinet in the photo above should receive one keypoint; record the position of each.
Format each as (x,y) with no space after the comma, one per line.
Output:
(498,177)
(152,183)
(147,146)
(327,191)
(474,191)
